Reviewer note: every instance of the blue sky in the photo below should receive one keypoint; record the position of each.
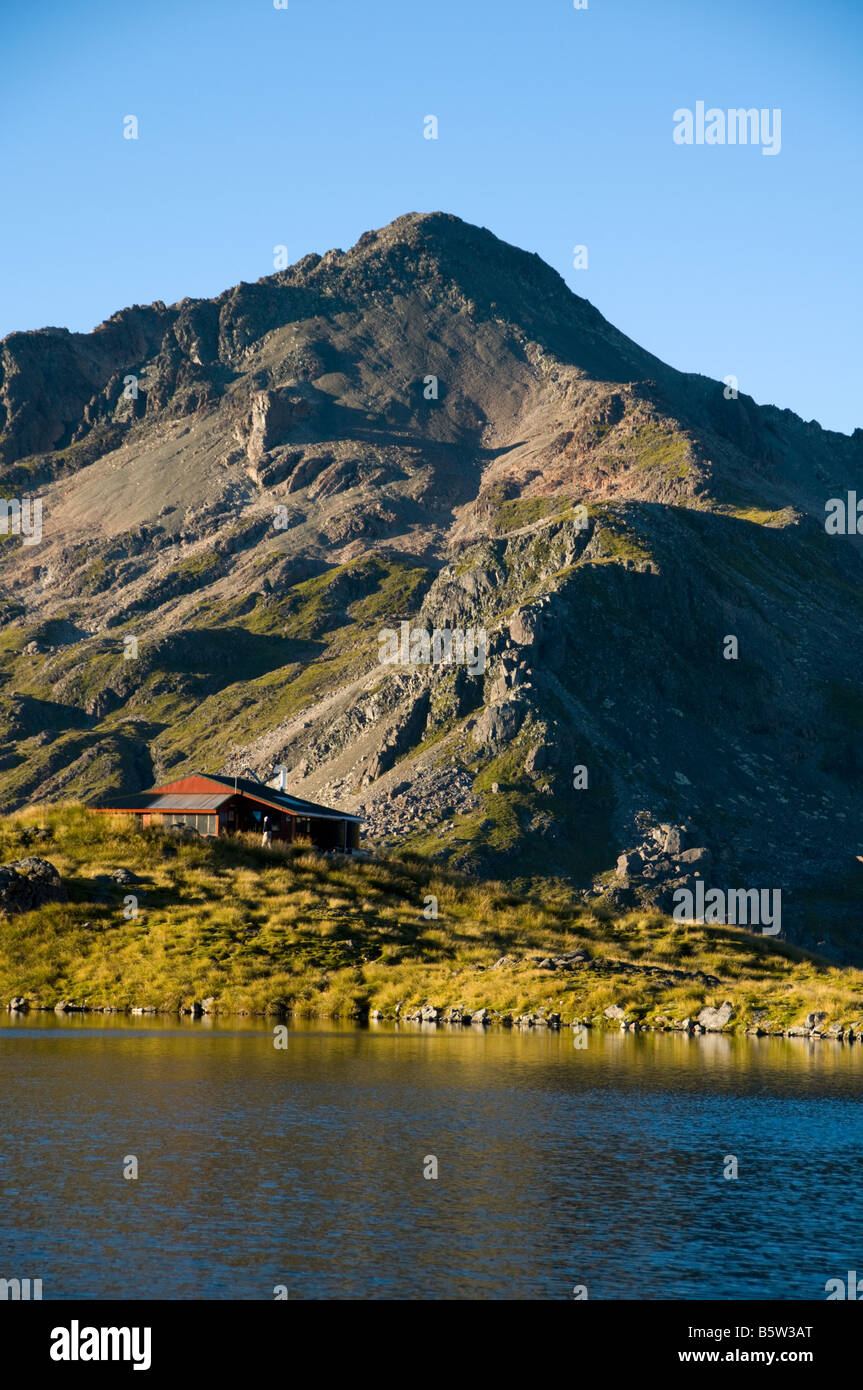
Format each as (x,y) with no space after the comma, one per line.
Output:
(304,127)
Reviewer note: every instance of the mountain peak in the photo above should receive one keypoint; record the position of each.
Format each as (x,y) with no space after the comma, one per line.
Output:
(429,248)
(431,428)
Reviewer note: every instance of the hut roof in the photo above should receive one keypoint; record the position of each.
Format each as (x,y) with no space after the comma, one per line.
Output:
(164,799)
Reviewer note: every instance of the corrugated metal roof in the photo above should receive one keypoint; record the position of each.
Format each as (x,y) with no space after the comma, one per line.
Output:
(188,801)
(178,801)
(156,800)
(283,800)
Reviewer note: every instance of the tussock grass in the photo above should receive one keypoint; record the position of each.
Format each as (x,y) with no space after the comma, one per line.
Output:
(288,928)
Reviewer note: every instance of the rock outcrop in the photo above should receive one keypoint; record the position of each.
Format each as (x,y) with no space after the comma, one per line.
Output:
(29,883)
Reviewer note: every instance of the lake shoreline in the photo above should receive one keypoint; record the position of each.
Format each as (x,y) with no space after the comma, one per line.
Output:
(454,1020)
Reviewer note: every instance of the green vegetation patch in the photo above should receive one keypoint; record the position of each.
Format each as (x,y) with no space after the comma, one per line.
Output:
(654,448)
(512,514)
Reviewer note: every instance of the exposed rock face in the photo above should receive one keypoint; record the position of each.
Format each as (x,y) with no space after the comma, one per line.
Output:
(539,760)
(255,486)
(274,415)
(29,883)
(499,723)
(406,732)
(543,627)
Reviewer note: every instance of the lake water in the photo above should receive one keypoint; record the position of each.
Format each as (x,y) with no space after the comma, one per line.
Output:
(557,1166)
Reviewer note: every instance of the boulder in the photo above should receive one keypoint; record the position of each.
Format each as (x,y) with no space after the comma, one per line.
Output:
(629,865)
(29,883)
(499,723)
(123,876)
(376,1015)
(696,861)
(18,1005)
(813,1020)
(524,626)
(537,760)
(381,762)
(614,1011)
(673,841)
(568,961)
(429,1014)
(714,1020)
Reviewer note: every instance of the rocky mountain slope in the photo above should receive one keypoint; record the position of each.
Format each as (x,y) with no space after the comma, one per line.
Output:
(240,494)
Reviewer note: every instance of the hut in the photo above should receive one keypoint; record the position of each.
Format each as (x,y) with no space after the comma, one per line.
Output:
(215,805)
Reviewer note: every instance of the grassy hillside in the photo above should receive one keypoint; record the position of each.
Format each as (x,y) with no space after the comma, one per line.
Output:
(192,695)
(291,930)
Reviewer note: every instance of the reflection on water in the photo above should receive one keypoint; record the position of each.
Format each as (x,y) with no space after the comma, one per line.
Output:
(304,1167)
